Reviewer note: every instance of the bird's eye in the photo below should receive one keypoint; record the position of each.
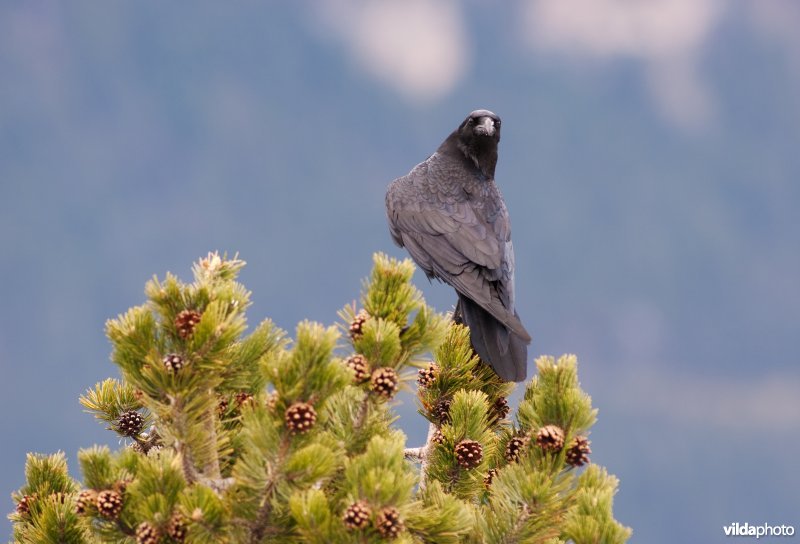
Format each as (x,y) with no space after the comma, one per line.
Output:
(471,121)
(497,123)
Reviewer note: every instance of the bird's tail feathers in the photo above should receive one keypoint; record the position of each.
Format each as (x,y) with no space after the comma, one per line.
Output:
(497,346)
(499,312)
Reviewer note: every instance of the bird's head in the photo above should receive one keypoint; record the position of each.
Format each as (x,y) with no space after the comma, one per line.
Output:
(478,137)
(481,127)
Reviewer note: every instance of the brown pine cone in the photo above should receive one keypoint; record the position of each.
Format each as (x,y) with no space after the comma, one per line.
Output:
(578,453)
(86,501)
(357,325)
(176,528)
(222,405)
(360,367)
(24,505)
(389,523)
(438,437)
(550,438)
(109,504)
(300,417)
(469,453)
(146,534)
(490,474)
(385,382)
(499,410)
(186,321)
(242,398)
(441,410)
(356,516)
(129,423)
(173,362)
(428,375)
(516,445)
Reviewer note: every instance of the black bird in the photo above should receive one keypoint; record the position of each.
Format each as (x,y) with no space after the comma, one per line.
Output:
(450,216)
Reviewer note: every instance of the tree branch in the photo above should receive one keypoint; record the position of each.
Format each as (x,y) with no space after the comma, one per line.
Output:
(420,455)
(211,469)
(363,410)
(187,463)
(414,454)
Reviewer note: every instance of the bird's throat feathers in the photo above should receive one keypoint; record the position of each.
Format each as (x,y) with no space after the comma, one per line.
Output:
(484,157)
(478,152)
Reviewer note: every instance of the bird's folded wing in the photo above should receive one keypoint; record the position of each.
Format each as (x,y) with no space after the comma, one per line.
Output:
(474,239)
(455,245)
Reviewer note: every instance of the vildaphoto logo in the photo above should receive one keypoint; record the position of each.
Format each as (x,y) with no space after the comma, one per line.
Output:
(765,529)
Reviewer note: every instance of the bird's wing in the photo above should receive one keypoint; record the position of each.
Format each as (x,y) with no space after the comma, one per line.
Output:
(451,241)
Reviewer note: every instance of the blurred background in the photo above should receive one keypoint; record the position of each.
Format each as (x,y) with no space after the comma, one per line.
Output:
(650,160)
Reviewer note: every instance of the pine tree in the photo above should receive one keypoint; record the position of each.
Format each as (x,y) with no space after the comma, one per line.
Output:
(250,438)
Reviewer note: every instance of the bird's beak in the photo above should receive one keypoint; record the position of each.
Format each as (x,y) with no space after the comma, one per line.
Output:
(485,127)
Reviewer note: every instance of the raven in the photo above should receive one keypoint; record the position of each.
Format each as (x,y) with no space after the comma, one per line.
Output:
(450,216)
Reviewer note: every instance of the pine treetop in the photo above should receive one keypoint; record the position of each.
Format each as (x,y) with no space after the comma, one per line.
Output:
(249,437)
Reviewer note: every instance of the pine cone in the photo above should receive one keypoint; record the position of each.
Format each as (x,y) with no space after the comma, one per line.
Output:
(356,516)
(428,375)
(550,438)
(186,321)
(490,474)
(86,501)
(499,410)
(385,382)
(176,528)
(300,417)
(438,437)
(146,534)
(441,410)
(109,504)
(24,505)
(130,423)
(389,523)
(360,367)
(357,325)
(173,362)
(469,453)
(242,398)
(578,452)
(516,445)
(222,405)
